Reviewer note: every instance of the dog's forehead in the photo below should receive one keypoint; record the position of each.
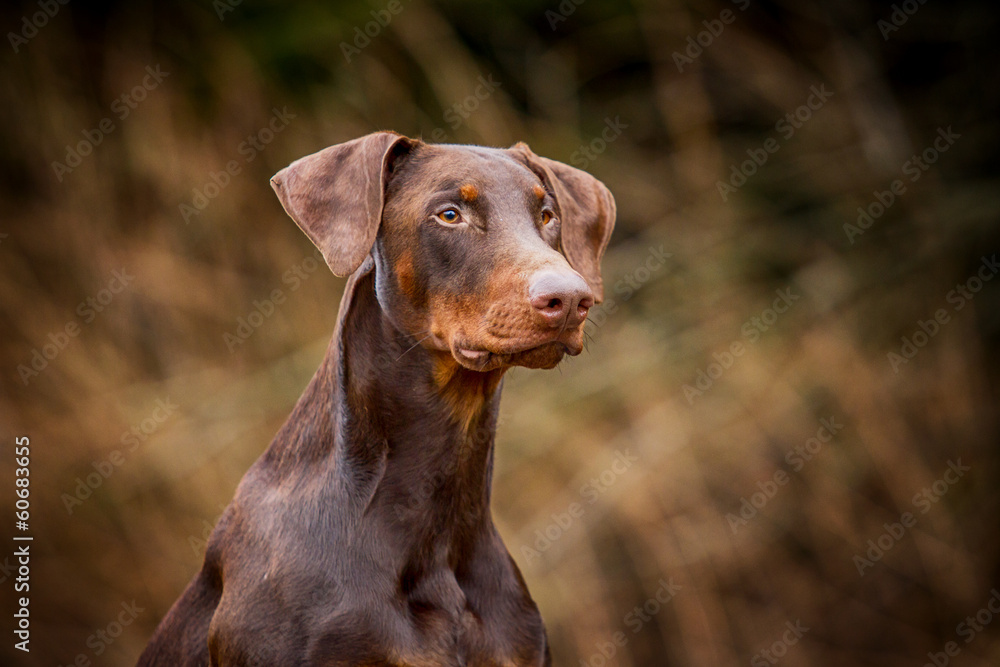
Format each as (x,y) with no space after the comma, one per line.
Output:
(490,170)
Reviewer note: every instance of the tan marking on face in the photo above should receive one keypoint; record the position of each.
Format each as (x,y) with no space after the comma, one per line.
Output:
(465,392)
(404,272)
(539,191)
(469,192)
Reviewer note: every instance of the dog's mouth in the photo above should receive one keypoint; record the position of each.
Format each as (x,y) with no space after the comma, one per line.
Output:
(546,355)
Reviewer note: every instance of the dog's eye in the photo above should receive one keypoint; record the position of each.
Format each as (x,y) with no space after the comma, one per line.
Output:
(547,216)
(449,215)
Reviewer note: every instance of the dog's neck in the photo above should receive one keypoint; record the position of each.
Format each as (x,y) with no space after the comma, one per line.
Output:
(408,433)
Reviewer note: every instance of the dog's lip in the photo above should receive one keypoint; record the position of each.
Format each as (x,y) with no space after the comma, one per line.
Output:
(480,359)
(571,344)
(474,353)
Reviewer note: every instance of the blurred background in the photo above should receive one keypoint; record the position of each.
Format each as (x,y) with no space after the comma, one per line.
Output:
(781,445)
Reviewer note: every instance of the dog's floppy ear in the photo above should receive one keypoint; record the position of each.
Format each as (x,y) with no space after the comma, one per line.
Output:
(335,196)
(586,213)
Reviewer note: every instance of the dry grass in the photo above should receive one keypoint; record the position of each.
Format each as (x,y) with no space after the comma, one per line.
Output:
(662,518)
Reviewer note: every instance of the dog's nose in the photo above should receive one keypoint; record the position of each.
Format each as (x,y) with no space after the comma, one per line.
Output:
(562,298)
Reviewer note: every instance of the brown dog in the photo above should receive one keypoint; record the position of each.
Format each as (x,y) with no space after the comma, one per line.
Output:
(363,535)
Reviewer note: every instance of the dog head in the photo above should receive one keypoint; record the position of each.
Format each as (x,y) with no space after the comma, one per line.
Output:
(491,255)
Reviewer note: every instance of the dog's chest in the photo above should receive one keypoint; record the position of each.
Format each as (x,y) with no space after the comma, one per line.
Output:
(272,608)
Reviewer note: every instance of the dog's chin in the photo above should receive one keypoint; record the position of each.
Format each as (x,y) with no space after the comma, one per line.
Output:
(547,355)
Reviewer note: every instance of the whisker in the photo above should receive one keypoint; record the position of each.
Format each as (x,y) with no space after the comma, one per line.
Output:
(414,345)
